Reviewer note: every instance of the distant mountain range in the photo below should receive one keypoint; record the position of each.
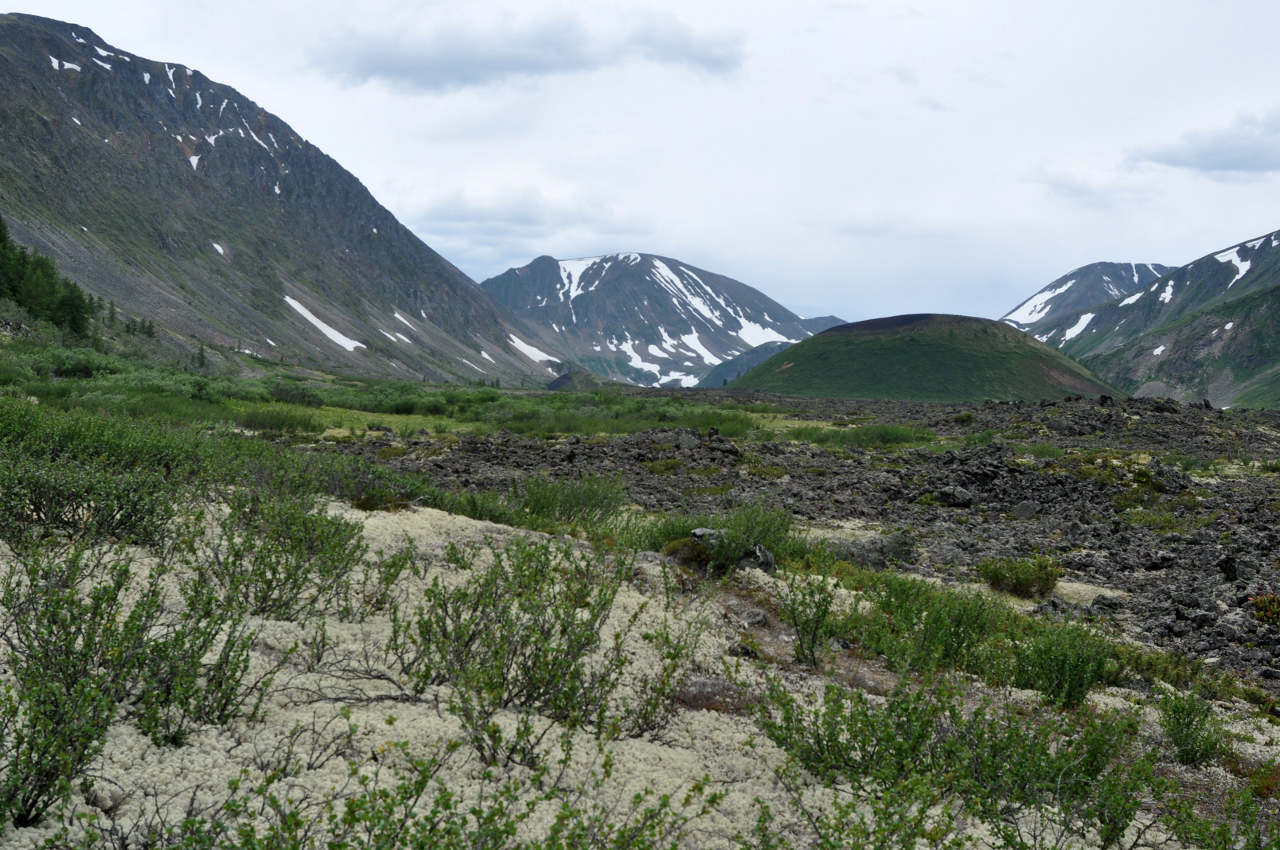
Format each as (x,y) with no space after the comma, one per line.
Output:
(924,357)
(185,203)
(1209,329)
(646,319)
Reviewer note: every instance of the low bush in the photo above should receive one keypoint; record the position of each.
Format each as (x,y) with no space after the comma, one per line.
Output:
(1266,608)
(278,419)
(1026,577)
(863,436)
(583,502)
(1063,662)
(1052,781)
(73,641)
(807,606)
(1191,727)
(281,558)
(516,634)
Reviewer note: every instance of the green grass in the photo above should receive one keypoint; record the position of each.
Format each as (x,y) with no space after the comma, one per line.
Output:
(874,436)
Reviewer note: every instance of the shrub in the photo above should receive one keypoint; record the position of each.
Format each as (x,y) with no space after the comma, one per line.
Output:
(286,559)
(921,627)
(72,646)
(1063,662)
(586,501)
(1266,608)
(1042,782)
(1026,577)
(278,419)
(1189,723)
(807,603)
(516,635)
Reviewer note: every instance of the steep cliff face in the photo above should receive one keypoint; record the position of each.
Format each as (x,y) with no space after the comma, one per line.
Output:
(185,202)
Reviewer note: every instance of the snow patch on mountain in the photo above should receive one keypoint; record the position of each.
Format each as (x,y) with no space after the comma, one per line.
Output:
(1233,257)
(1076,329)
(753,334)
(692,341)
(1167,295)
(535,354)
(571,273)
(334,335)
(1132,299)
(1037,305)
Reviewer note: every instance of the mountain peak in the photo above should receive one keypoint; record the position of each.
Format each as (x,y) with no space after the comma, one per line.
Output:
(645,318)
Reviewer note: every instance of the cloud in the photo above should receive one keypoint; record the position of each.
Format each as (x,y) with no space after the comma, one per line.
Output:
(457,57)
(485,236)
(1250,145)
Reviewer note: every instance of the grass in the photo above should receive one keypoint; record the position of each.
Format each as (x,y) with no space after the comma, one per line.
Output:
(877,436)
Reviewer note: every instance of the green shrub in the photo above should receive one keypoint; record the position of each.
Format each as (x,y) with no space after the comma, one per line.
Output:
(586,501)
(1026,577)
(72,644)
(1052,781)
(918,626)
(278,419)
(1063,662)
(1189,723)
(516,635)
(80,499)
(281,558)
(807,603)
(1266,608)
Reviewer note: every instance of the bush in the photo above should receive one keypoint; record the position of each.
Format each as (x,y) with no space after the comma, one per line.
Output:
(516,635)
(807,603)
(921,627)
(586,501)
(1060,780)
(1063,663)
(863,436)
(1189,723)
(1026,577)
(72,646)
(281,558)
(1266,608)
(278,419)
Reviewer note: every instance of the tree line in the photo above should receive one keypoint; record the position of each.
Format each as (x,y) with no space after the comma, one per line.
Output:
(32,281)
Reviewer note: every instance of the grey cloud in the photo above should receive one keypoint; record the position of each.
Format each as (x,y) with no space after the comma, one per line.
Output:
(1250,145)
(455,58)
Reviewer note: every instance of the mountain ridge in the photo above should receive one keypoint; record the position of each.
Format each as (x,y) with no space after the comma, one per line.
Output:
(178,197)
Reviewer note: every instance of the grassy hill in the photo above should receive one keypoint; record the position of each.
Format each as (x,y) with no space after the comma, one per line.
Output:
(923,357)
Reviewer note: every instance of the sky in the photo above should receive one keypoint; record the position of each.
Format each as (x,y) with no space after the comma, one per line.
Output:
(860,159)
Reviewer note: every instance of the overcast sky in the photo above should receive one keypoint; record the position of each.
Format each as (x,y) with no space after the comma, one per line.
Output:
(862,159)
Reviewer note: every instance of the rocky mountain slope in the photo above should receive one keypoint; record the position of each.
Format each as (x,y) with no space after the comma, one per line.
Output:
(646,319)
(923,357)
(184,202)
(1205,330)
(1078,291)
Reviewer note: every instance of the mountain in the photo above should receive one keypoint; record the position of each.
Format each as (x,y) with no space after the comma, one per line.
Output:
(1209,329)
(1078,291)
(184,202)
(730,370)
(643,318)
(923,357)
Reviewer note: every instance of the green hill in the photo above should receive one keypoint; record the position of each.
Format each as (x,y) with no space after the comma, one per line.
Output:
(923,357)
